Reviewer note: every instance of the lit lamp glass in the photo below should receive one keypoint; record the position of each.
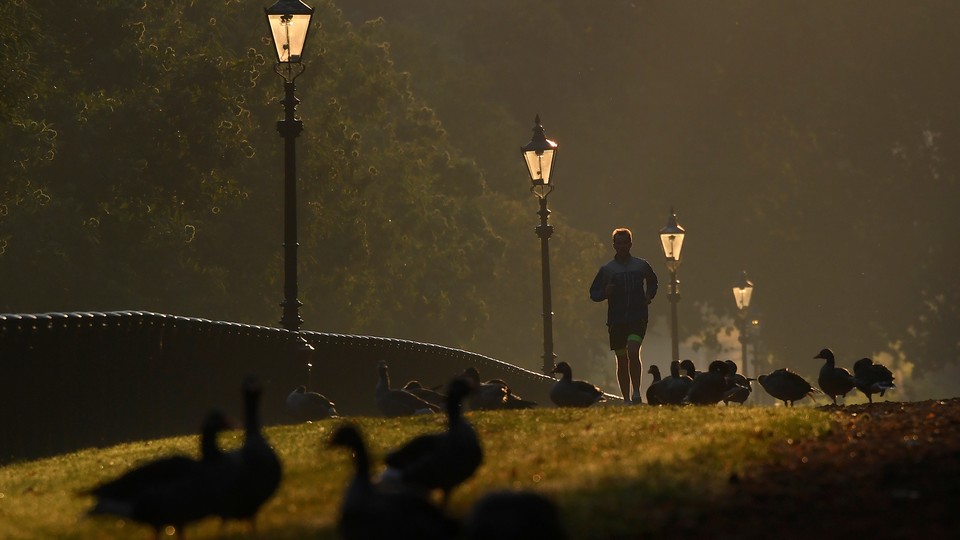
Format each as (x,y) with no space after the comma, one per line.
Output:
(539,155)
(289,23)
(742,292)
(671,237)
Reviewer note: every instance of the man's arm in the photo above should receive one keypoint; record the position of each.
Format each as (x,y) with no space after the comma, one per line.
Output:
(652,283)
(598,288)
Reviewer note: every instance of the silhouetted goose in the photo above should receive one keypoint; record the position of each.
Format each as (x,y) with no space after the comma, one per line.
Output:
(393,403)
(834,381)
(708,386)
(738,387)
(732,376)
(568,392)
(739,391)
(369,513)
(677,385)
(493,394)
(427,394)
(657,388)
(688,367)
(871,378)
(440,460)
(513,400)
(310,405)
(171,491)
(514,515)
(786,386)
(257,470)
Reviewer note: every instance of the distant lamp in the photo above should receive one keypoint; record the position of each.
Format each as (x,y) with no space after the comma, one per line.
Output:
(671,237)
(539,155)
(742,292)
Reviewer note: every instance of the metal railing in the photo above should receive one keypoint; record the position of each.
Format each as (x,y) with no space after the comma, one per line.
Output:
(74,380)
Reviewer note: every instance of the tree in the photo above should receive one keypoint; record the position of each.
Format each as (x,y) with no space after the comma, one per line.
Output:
(809,144)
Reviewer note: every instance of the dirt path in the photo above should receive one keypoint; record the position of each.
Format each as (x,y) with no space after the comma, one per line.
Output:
(887,470)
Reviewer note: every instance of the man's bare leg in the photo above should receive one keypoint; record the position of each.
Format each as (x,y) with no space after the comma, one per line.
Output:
(623,373)
(636,368)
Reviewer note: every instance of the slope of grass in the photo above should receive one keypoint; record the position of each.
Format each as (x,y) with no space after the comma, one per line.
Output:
(614,471)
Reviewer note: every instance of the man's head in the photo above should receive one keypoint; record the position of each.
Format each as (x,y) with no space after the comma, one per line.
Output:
(621,231)
(622,240)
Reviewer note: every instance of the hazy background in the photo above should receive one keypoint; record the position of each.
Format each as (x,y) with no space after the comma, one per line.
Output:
(812,144)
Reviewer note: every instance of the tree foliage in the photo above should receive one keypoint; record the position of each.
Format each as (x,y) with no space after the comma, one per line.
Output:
(812,144)
(163,176)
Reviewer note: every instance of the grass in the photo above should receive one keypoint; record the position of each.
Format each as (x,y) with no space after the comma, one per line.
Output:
(615,472)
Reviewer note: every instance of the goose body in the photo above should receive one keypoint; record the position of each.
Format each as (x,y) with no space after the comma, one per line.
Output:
(310,405)
(786,386)
(834,381)
(170,491)
(568,392)
(738,392)
(393,403)
(657,388)
(367,512)
(514,515)
(872,378)
(688,367)
(256,470)
(677,385)
(708,386)
(494,394)
(440,460)
(426,394)
(738,387)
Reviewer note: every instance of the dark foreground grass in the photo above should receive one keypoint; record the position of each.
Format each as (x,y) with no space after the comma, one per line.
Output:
(615,472)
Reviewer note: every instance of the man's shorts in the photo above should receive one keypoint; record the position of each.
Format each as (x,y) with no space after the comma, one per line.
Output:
(620,332)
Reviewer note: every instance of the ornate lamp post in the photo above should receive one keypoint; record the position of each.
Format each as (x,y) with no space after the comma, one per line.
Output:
(671,237)
(539,155)
(289,22)
(742,293)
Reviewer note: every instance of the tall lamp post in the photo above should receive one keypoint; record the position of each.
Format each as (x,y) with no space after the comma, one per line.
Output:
(755,339)
(539,155)
(671,237)
(289,22)
(742,293)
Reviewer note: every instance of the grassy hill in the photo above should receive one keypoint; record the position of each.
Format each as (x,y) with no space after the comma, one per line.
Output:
(614,471)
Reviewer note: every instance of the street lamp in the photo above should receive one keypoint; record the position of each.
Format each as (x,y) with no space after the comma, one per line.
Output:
(289,22)
(742,293)
(539,156)
(671,237)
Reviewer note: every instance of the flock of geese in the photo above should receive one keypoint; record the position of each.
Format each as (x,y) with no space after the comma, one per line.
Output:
(178,490)
(684,385)
(721,382)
